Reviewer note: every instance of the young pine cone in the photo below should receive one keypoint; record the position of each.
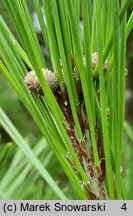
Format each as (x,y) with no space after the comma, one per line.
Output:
(94,57)
(32,82)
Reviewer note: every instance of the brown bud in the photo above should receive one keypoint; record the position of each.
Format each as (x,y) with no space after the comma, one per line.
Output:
(33,84)
(94,57)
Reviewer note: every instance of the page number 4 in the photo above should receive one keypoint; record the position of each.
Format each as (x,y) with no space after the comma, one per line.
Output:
(124,207)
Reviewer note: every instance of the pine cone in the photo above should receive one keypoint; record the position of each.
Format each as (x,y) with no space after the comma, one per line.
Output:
(94,57)
(32,82)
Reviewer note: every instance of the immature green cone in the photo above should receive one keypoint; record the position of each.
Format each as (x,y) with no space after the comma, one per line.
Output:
(32,82)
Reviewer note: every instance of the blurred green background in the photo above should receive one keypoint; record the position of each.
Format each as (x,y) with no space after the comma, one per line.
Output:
(28,129)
